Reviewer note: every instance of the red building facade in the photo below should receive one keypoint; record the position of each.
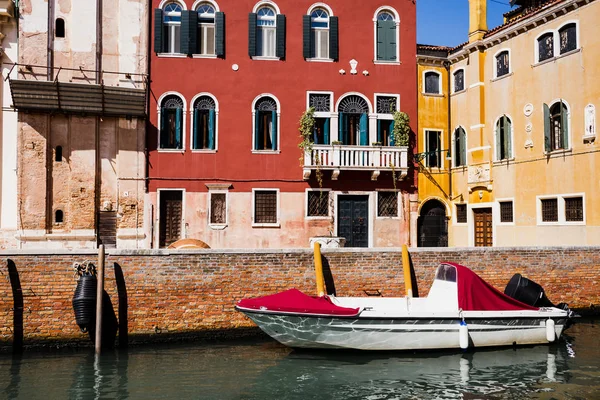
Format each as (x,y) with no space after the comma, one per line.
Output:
(230,81)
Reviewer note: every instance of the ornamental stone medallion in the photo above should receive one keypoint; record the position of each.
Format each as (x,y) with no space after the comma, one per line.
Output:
(528,109)
(479,173)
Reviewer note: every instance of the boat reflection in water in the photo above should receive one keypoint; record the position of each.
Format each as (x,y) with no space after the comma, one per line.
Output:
(508,373)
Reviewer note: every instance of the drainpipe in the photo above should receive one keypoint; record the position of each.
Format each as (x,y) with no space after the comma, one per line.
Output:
(447,66)
(97,182)
(98,41)
(50,49)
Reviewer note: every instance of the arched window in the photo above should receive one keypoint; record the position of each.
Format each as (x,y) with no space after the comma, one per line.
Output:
(502,64)
(266,23)
(171,122)
(460,147)
(503,138)
(58,217)
(204,128)
(59,30)
(432,82)
(58,154)
(206,29)
(387,47)
(568,38)
(556,126)
(319,30)
(432,225)
(353,118)
(265,124)
(459,80)
(545,46)
(171,28)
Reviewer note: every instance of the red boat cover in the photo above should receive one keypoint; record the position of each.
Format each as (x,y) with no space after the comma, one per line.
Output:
(475,294)
(294,301)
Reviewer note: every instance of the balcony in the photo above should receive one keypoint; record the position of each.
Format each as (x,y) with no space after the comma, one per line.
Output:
(375,159)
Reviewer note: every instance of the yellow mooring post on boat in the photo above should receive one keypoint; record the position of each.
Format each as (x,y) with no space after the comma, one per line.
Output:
(319,270)
(407,274)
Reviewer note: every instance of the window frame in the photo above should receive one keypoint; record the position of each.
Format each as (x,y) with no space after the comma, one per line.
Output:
(455,217)
(183,123)
(277,150)
(397,21)
(453,151)
(439,151)
(499,211)
(216,132)
(216,188)
(570,135)
(329,12)
(171,36)
(577,41)
(424,91)
(201,26)
(385,116)
(511,137)
(398,208)
(158,214)
(556,43)
(317,217)
(323,114)
(456,71)
(278,208)
(260,30)
(495,63)
(590,124)
(370,117)
(561,209)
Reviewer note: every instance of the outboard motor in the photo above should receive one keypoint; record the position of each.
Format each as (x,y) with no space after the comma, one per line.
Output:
(527,291)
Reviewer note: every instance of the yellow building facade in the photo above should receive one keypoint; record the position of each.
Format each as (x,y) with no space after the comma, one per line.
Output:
(517,161)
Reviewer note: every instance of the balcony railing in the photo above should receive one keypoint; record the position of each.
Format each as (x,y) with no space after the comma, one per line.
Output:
(363,158)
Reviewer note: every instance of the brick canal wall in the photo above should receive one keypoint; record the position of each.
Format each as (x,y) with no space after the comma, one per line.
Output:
(166,295)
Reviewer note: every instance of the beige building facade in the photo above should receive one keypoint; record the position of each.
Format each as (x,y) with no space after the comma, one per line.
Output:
(519,154)
(80,92)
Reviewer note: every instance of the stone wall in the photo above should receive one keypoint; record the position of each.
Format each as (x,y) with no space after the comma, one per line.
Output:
(161,295)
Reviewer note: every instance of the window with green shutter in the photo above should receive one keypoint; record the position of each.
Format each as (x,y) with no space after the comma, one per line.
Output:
(189,32)
(265,124)
(386,37)
(556,126)
(171,123)
(170,40)
(206,22)
(503,138)
(204,124)
(460,147)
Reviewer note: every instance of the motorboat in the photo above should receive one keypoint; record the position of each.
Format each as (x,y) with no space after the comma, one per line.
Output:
(461,310)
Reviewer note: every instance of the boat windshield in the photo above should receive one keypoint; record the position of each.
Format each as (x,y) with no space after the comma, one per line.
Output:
(446,273)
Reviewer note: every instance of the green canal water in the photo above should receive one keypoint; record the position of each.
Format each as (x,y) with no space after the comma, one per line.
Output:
(263,369)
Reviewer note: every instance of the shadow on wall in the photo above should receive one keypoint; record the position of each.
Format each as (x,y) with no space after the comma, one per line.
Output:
(328,276)
(123,306)
(17,292)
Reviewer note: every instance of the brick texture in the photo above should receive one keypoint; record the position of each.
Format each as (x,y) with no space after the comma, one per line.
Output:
(170,294)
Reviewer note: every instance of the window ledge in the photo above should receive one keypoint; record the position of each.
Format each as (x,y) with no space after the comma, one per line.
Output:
(557,153)
(381,62)
(561,223)
(266,151)
(217,227)
(504,161)
(255,225)
(501,77)
(171,151)
(211,56)
(317,217)
(568,53)
(459,92)
(171,55)
(459,168)
(505,224)
(433,94)
(206,151)
(326,60)
(265,58)
(589,138)
(386,218)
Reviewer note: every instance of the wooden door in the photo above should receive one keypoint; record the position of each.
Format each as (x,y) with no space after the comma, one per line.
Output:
(170,217)
(107,228)
(353,220)
(483,227)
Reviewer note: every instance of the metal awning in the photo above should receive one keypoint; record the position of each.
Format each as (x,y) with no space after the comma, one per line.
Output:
(77,98)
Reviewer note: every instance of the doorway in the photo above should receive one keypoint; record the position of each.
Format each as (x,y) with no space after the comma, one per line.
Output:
(483,227)
(432,225)
(353,220)
(171,212)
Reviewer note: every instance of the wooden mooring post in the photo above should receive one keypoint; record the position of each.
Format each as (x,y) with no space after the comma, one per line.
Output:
(99,297)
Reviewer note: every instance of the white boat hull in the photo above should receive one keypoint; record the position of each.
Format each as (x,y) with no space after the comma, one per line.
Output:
(324,332)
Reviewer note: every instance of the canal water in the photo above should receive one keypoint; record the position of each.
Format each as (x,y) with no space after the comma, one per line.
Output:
(263,369)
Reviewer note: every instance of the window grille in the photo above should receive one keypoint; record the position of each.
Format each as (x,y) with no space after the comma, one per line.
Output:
(218,208)
(506,211)
(432,83)
(266,104)
(318,202)
(386,104)
(568,38)
(546,47)
(459,80)
(353,105)
(502,65)
(461,213)
(172,101)
(387,204)
(574,209)
(265,207)
(320,102)
(549,210)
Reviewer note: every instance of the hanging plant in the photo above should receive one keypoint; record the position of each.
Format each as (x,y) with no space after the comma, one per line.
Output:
(306,128)
(401,128)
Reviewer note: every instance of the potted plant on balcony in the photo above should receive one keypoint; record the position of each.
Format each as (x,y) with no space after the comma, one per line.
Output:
(401,129)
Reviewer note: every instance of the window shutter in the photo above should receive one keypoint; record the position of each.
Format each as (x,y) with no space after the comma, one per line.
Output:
(547,130)
(390,40)
(306,37)
(392,139)
(364,139)
(499,138)
(326,132)
(507,137)
(189,31)
(196,125)
(220,34)
(178,125)
(252,35)
(334,48)
(256,130)
(380,41)
(280,36)
(379,133)
(463,147)
(211,129)
(163,127)
(158,30)
(274,130)
(564,125)
(341,130)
